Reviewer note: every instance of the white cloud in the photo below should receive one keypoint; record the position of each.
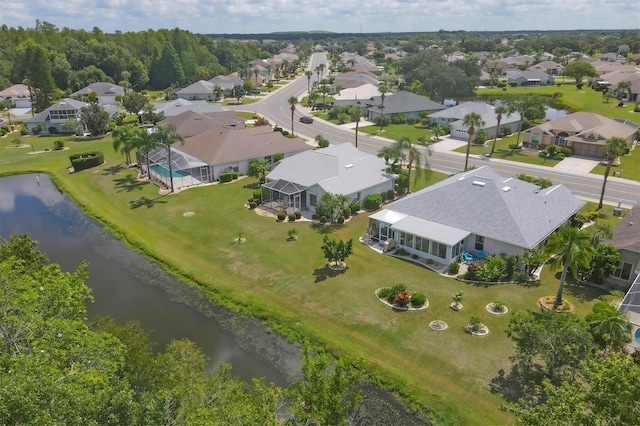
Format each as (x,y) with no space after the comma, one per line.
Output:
(262,16)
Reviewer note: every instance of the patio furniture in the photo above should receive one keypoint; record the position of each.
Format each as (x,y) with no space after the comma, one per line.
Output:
(468,257)
(480,254)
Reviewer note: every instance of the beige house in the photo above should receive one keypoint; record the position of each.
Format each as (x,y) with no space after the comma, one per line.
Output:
(585,132)
(626,237)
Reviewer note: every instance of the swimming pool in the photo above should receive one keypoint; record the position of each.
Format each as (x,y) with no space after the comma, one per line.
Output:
(164,172)
(637,335)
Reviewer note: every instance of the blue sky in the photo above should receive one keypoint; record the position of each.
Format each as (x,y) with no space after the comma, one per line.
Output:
(264,16)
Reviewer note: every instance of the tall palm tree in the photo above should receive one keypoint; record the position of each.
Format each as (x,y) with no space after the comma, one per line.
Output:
(322,68)
(570,248)
(330,203)
(391,155)
(143,143)
(318,76)
(623,87)
(256,72)
(613,148)
(293,101)
(613,327)
(356,112)
(308,74)
(471,120)
(123,137)
(499,110)
(383,88)
(413,154)
(166,136)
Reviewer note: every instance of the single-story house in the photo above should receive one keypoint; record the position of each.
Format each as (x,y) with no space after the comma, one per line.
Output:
(549,67)
(529,78)
(200,90)
(203,157)
(406,103)
(478,211)
(351,79)
(361,95)
(106,92)
(626,237)
(191,123)
(51,120)
(585,132)
(18,94)
(178,106)
(298,181)
(612,79)
(454,117)
(226,83)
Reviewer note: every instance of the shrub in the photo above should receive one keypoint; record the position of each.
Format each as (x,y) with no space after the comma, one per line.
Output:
(292,234)
(498,307)
(226,177)
(292,217)
(636,108)
(401,252)
(354,207)
(298,214)
(454,268)
(340,219)
(385,293)
(58,144)
(565,150)
(513,84)
(402,298)
(314,216)
(491,270)
(257,194)
(36,130)
(418,299)
(391,194)
(234,175)
(253,205)
(86,160)
(52,130)
(373,201)
(501,84)
(23,131)
(518,277)
(346,211)
(414,256)
(281,215)
(284,132)
(323,219)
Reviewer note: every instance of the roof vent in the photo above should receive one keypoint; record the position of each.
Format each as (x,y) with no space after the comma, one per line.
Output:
(348,166)
(506,188)
(478,183)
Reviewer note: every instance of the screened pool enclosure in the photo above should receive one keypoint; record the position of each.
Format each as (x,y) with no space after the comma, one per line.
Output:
(185,169)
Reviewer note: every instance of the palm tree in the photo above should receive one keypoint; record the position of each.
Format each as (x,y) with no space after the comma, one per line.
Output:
(499,110)
(383,88)
(167,135)
(143,143)
(322,67)
(352,63)
(613,148)
(318,76)
(293,101)
(613,327)
(356,112)
(123,137)
(624,87)
(256,72)
(258,169)
(413,154)
(570,249)
(308,74)
(321,141)
(391,155)
(329,202)
(471,120)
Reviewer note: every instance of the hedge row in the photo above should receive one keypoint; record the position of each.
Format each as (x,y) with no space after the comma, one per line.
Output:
(86,160)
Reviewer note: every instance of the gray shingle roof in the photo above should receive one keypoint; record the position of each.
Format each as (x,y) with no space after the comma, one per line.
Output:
(485,203)
(404,102)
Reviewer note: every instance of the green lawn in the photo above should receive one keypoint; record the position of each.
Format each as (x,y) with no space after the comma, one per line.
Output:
(586,99)
(397,131)
(503,152)
(244,101)
(287,282)
(629,166)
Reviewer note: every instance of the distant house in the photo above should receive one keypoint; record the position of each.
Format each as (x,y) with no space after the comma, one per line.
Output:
(626,237)
(362,95)
(178,106)
(106,92)
(191,123)
(350,79)
(298,181)
(51,120)
(204,156)
(406,103)
(477,211)
(584,132)
(529,78)
(18,94)
(200,90)
(612,79)
(454,117)
(549,67)
(226,83)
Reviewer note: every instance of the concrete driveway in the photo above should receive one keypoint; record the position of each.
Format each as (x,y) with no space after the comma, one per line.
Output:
(576,165)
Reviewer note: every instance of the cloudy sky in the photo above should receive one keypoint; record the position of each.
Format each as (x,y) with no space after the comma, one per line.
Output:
(265,16)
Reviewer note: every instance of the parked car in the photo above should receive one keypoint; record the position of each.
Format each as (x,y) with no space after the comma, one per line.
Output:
(306,119)
(256,91)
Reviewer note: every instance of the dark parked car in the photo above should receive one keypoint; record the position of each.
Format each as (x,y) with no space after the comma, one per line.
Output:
(306,119)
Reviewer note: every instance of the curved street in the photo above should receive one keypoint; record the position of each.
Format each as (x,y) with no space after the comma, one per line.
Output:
(275,107)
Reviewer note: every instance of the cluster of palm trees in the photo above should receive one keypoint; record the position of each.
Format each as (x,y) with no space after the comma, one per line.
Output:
(409,153)
(128,138)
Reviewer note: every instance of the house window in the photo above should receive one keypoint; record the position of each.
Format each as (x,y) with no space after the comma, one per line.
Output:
(402,238)
(313,198)
(442,251)
(535,138)
(409,240)
(624,271)
(560,139)
(422,244)
(479,242)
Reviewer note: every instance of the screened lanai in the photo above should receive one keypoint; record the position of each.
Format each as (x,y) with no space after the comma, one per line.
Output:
(284,195)
(185,169)
(631,305)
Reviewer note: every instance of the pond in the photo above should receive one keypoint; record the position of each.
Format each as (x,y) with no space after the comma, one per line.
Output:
(127,286)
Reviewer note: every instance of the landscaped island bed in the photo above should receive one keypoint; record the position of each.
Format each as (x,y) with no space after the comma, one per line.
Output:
(290,285)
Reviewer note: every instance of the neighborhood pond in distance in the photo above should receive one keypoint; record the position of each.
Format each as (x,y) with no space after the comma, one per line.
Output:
(127,286)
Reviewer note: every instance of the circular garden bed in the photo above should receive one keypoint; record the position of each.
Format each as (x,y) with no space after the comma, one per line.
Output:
(438,325)
(397,297)
(496,308)
(546,303)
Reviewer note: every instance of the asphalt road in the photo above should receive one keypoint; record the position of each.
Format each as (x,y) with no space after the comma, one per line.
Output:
(276,108)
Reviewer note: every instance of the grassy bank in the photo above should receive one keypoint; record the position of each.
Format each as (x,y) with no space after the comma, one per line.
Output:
(287,282)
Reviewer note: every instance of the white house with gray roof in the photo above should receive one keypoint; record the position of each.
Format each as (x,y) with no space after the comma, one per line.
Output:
(53,119)
(454,117)
(404,102)
(478,211)
(299,180)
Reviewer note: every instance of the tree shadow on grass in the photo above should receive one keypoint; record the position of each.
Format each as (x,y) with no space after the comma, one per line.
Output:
(325,272)
(146,202)
(325,228)
(113,170)
(128,183)
(517,384)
